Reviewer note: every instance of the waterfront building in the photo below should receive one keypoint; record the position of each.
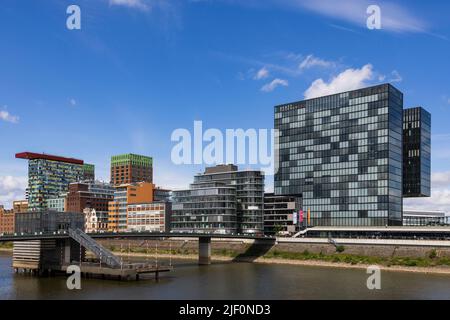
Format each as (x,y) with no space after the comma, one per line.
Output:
(93,195)
(48,221)
(57,204)
(344,154)
(416,153)
(131,168)
(88,172)
(221,200)
(160,194)
(20,206)
(133,193)
(48,177)
(93,222)
(279,214)
(149,217)
(6,220)
(424,218)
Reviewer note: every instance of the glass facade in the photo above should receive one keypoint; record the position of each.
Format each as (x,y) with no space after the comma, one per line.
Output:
(205,208)
(222,200)
(416,153)
(343,153)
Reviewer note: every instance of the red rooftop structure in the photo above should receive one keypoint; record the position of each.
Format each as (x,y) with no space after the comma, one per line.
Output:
(32,156)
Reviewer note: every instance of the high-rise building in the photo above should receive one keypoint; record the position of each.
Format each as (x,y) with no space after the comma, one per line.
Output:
(416,153)
(281,214)
(88,172)
(221,200)
(48,177)
(131,168)
(134,193)
(7,218)
(343,154)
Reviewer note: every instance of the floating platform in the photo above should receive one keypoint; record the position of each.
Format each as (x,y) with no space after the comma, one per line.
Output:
(128,272)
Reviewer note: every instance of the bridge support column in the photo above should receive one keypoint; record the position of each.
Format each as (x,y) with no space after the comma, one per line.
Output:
(204,250)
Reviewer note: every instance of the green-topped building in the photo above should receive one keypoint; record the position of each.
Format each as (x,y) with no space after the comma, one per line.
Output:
(88,172)
(131,168)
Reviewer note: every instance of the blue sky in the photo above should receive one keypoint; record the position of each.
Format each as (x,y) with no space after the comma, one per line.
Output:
(138,69)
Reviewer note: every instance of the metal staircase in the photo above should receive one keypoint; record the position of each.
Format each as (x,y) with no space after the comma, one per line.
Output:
(100,252)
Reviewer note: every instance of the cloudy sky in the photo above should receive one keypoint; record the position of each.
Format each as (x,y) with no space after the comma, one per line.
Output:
(138,69)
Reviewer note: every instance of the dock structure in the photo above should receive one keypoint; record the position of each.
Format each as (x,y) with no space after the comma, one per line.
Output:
(54,256)
(133,271)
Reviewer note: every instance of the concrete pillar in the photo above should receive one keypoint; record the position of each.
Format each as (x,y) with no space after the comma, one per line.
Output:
(204,250)
(67,252)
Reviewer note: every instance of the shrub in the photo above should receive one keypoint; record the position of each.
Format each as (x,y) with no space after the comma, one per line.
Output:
(432,254)
(340,249)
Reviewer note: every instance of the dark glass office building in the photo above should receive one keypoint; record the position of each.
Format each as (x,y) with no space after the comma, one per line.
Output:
(343,153)
(416,152)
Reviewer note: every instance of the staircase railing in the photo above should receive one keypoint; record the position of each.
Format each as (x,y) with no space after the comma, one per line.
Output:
(97,249)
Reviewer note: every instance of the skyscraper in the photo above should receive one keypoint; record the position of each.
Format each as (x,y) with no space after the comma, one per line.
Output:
(343,153)
(48,177)
(416,152)
(131,168)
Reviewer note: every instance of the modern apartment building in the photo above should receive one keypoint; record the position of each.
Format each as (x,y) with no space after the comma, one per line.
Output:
(207,207)
(88,172)
(344,154)
(281,214)
(48,177)
(7,218)
(149,217)
(221,200)
(124,195)
(131,168)
(416,153)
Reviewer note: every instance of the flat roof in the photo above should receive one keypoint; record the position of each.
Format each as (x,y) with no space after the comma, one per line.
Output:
(382,229)
(32,156)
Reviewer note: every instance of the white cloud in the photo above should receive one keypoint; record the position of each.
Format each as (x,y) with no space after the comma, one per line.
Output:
(263,73)
(350,79)
(12,188)
(395,77)
(73,102)
(394,18)
(440,195)
(6,116)
(274,84)
(311,61)
(135,4)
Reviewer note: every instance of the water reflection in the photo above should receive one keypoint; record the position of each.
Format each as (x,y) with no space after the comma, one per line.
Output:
(231,281)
